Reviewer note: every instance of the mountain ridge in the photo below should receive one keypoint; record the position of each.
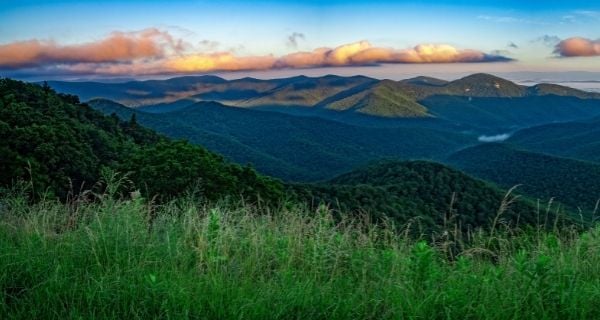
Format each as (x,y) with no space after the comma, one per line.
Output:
(347,99)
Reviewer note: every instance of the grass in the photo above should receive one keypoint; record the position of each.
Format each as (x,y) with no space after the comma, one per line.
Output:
(129,259)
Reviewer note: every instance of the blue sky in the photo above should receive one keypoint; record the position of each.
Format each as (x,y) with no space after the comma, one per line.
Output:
(524,31)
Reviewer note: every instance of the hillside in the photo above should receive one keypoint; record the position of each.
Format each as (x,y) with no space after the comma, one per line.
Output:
(384,98)
(571,182)
(509,114)
(289,147)
(440,194)
(577,139)
(558,90)
(302,91)
(481,85)
(62,146)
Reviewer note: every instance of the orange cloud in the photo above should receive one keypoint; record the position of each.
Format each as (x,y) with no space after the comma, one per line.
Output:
(153,51)
(363,53)
(424,53)
(118,47)
(578,47)
(222,61)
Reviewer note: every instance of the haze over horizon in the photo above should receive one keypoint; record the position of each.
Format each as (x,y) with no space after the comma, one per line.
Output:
(524,42)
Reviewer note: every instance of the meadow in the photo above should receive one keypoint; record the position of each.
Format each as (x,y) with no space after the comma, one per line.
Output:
(124,257)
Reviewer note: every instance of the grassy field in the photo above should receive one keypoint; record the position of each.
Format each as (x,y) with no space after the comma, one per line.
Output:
(129,259)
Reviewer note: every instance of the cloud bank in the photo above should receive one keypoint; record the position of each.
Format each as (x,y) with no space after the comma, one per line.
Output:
(578,47)
(153,51)
(117,47)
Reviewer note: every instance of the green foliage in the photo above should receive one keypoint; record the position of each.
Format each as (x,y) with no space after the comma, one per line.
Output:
(290,147)
(171,168)
(505,114)
(109,260)
(61,146)
(571,182)
(425,194)
(577,139)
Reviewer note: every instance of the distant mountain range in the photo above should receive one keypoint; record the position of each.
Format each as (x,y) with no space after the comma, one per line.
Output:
(305,129)
(479,102)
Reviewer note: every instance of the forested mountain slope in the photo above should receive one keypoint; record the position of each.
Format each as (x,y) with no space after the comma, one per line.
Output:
(60,146)
(568,181)
(293,148)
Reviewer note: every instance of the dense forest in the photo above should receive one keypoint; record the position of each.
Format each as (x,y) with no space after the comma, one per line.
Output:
(397,190)
(571,182)
(61,145)
(575,139)
(291,147)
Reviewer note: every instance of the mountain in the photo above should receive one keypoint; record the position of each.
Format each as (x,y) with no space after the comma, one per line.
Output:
(576,139)
(221,143)
(299,90)
(60,147)
(441,195)
(384,99)
(289,147)
(571,182)
(481,85)
(139,92)
(557,90)
(425,81)
(510,114)
(302,91)
(481,103)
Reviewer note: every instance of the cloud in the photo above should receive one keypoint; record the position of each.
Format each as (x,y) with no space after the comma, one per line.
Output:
(209,45)
(510,19)
(512,45)
(578,47)
(363,53)
(117,47)
(153,51)
(292,40)
(502,19)
(501,52)
(494,138)
(221,61)
(588,13)
(547,40)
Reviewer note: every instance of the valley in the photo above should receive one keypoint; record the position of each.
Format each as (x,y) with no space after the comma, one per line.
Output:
(304,129)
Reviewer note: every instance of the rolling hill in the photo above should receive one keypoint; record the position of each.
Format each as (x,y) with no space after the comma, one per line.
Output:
(577,139)
(384,99)
(289,147)
(397,190)
(510,114)
(571,182)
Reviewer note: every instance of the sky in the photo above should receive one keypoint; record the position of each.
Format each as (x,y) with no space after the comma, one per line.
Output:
(386,39)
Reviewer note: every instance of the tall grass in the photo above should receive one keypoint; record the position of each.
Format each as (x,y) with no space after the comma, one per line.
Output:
(129,259)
